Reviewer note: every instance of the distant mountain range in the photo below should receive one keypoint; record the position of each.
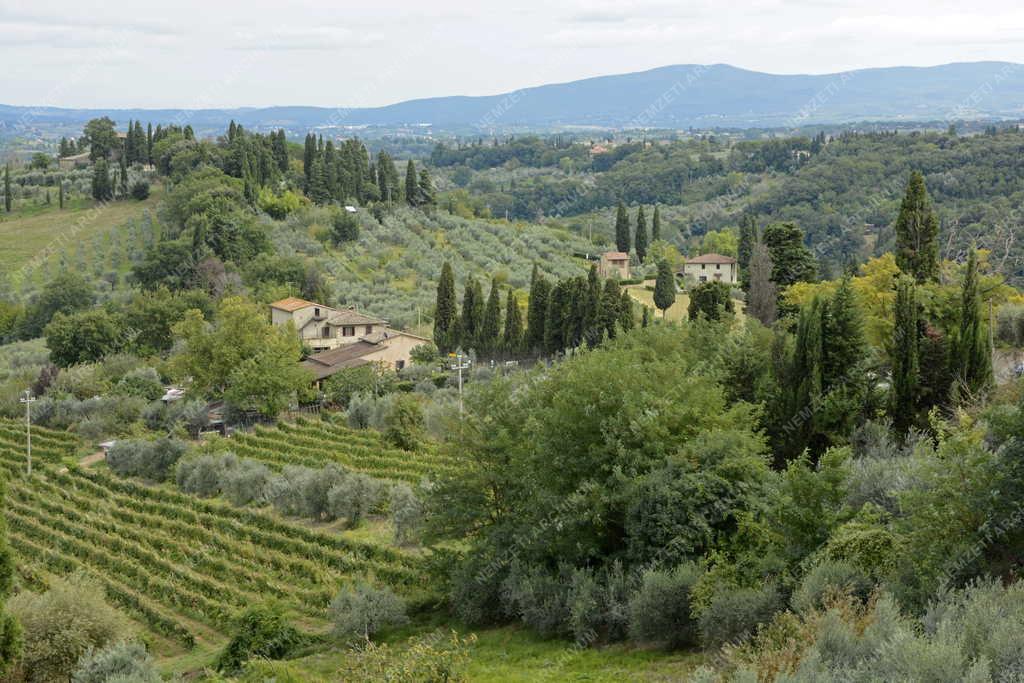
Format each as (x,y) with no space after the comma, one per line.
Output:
(718,95)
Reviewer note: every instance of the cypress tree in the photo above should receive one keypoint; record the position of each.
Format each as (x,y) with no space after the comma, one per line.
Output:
(279,146)
(123,175)
(745,251)
(555,318)
(611,305)
(60,195)
(101,189)
(445,312)
(806,373)
(972,354)
(917,233)
(7,188)
(905,350)
(762,295)
(622,229)
(490,326)
(318,190)
(512,340)
(842,329)
(656,225)
(536,314)
(411,184)
(425,187)
(149,143)
(626,321)
(641,235)
(664,287)
(308,156)
(469,326)
(591,308)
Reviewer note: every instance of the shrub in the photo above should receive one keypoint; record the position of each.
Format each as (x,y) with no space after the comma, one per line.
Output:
(261,631)
(316,490)
(361,610)
(140,190)
(361,409)
(406,514)
(63,624)
(124,660)
(353,497)
(403,422)
(830,578)
(152,460)
(431,658)
(660,610)
(246,482)
(142,382)
(286,491)
(734,614)
(539,598)
(201,476)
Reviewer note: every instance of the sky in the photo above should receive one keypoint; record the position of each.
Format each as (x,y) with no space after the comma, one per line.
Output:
(213,53)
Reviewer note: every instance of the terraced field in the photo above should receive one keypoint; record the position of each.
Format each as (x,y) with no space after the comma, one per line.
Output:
(179,565)
(314,443)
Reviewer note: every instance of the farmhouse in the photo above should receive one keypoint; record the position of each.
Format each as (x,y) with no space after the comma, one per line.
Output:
(344,338)
(614,264)
(711,267)
(73,162)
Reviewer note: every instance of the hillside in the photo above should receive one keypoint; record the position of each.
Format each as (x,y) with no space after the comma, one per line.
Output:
(671,96)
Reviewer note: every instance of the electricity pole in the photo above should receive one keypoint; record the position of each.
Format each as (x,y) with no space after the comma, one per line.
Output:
(461,363)
(28,400)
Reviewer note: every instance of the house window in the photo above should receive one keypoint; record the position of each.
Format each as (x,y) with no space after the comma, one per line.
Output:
(718,266)
(369,329)
(703,266)
(348,331)
(399,364)
(326,332)
(703,278)
(316,312)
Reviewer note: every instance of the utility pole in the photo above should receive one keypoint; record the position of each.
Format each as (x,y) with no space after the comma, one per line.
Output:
(460,363)
(28,400)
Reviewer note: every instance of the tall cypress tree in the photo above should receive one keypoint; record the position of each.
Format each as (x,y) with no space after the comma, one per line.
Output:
(446,321)
(656,225)
(425,187)
(622,229)
(7,188)
(308,157)
(472,315)
(641,235)
(591,308)
(748,236)
(536,314)
(842,329)
(60,194)
(512,340)
(149,143)
(762,295)
(611,304)
(123,175)
(917,233)
(490,327)
(101,189)
(411,184)
(905,350)
(664,287)
(626,320)
(555,318)
(972,354)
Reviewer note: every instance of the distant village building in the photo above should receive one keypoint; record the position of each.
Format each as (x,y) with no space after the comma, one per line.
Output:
(711,268)
(344,338)
(614,264)
(73,162)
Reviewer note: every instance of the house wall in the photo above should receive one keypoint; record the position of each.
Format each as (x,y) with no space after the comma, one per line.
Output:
(397,348)
(727,271)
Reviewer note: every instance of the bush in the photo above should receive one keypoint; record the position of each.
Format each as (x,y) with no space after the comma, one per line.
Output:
(125,660)
(431,658)
(403,422)
(539,598)
(353,497)
(63,624)
(152,460)
(734,614)
(261,631)
(830,579)
(202,476)
(360,611)
(599,604)
(406,514)
(140,190)
(246,482)
(286,491)
(660,610)
(142,382)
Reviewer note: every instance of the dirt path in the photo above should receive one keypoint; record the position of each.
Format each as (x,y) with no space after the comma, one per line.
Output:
(87,461)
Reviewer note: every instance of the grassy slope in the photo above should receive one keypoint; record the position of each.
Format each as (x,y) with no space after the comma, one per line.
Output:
(26,234)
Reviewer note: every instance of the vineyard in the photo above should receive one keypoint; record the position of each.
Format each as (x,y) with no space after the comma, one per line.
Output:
(314,443)
(180,565)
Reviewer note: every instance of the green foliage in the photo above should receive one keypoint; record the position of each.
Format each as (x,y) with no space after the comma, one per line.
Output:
(641,239)
(261,631)
(140,190)
(67,292)
(660,610)
(344,228)
(152,460)
(362,611)
(403,422)
(828,581)
(84,337)
(917,233)
(11,642)
(432,658)
(124,661)
(906,357)
(622,240)
(665,287)
(407,514)
(971,355)
(279,206)
(446,312)
(792,261)
(63,624)
(710,299)
(734,615)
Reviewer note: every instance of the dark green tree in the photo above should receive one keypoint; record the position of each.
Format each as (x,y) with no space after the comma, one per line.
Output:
(710,299)
(512,337)
(626,319)
(344,228)
(472,314)
(7,188)
(972,353)
(122,176)
(426,188)
(762,294)
(748,236)
(412,195)
(536,313)
(611,308)
(917,233)
(641,235)
(656,224)
(622,229)
(446,322)
(101,136)
(490,327)
(664,287)
(905,357)
(842,329)
(60,194)
(792,262)
(102,189)
(556,318)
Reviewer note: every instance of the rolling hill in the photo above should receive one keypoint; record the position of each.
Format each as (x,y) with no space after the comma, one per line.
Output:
(671,96)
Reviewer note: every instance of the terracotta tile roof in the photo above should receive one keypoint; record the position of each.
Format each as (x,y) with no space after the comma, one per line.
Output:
(616,255)
(327,363)
(711,258)
(292,304)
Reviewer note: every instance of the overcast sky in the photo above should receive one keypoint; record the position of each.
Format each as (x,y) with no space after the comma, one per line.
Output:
(212,53)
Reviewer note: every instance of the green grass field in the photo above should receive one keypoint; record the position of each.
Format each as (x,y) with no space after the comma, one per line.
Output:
(26,235)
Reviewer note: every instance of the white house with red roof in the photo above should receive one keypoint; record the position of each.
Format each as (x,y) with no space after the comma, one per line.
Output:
(711,268)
